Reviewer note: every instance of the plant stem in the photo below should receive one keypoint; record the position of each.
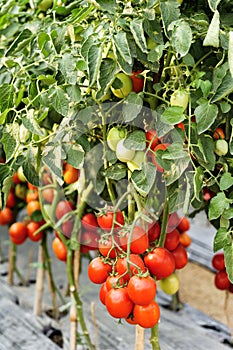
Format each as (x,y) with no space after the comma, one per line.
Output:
(164,223)
(37,309)
(154,339)
(13,266)
(176,304)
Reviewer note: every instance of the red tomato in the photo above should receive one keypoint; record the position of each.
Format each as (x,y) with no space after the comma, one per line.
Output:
(160,262)
(137,80)
(89,221)
(184,224)
(67,227)
(102,293)
(218,261)
(231,288)
(180,126)
(18,231)
(139,240)
(16,179)
(181,257)
(63,207)
(161,147)
(154,232)
(106,248)
(114,282)
(221,280)
(218,134)
(173,221)
(147,316)
(105,221)
(131,320)
(142,290)
(48,195)
(118,302)
(172,240)
(122,267)
(59,249)
(6,216)
(18,240)
(32,227)
(98,270)
(152,139)
(11,200)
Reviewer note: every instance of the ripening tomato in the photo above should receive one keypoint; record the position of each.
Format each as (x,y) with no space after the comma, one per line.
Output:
(59,249)
(18,231)
(173,221)
(32,195)
(106,248)
(139,240)
(180,98)
(98,270)
(221,280)
(122,85)
(102,293)
(48,194)
(89,221)
(31,187)
(114,281)
(105,221)
(137,80)
(70,174)
(218,134)
(172,240)
(89,241)
(184,224)
(142,290)
(218,261)
(32,227)
(152,139)
(11,200)
(185,239)
(221,147)
(63,207)
(181,257)
(170,284)
(160,262)
(147,316)
(154,231)
(67,228)
(6,216)
(33,206)
(118,302)
(159,148)
(122,266)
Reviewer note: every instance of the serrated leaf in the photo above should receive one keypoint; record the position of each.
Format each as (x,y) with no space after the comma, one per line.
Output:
(204,151)
(7,98)
(170,12)
(59,100)
(29,169)
(116,172)
(217,206)
(75,156)
(136,27)
(122,45)
(107,73)
(225,88)
(132,106)
(143,180)
(181,37)
(230,52)
(173,115)
(9,145)
(31,124)
(228,258)
(67,65)
(220,239)
(206,114)
(20,41)
(136,140)
(213,4)
(212,36)
(52,157)
(94,58)
(226,181)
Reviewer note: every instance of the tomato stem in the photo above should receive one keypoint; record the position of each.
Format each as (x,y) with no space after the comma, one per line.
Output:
(164,223)
(154,339)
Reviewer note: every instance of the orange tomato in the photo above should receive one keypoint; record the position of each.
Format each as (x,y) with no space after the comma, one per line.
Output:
(32,195)
(18,232)
(6,216)
(32,207)
(59,249)
(185,239)
(70,174)
(32,227)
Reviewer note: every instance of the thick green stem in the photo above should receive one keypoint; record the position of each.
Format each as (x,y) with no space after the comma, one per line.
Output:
(13,266)
(154,339)
(176,304)
(164,223)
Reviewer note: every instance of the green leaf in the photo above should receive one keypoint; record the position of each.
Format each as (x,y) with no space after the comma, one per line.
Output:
(29,169)
(198,182)
(189,177)
(122,45)
(176,166)
(218,74)
(75,156)
(161,127)
(132,106)
(94,57)
(107,73)
(230,52)
(206,114)
(226,88)
(7,98)
(116,172)
(9,144)
(170,12)
(67,65)
(228,214)
(108,5)
(4,171)
(212,36)
(204,151)
(52,157)
(217,206)
(43,40)
(228,258)
(213,4)
(59,100)
(144,179)
(226,181)
(173,115)
(231,137)
(74,93)
(136,27)
(221,239)
(136,140)
(181,37)
(20,42)
(7,184)
(31,123)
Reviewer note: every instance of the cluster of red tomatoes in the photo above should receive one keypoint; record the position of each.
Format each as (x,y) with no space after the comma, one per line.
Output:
(221,280)
(130,262)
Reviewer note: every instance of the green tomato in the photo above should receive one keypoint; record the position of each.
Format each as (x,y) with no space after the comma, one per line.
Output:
(151,44)
(136,162)
(124,154)
(125,85)
(44,5)
(170,284)
(180,98)
(21,174)
(114,136)
(20,191)
(221,147)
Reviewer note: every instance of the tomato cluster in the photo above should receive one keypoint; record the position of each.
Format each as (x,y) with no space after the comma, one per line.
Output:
(221,279)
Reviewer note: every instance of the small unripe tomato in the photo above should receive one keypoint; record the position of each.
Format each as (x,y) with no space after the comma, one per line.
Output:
(170,284)
(179,98)
(125,88)
(124,154)
(221,147)
(114,136)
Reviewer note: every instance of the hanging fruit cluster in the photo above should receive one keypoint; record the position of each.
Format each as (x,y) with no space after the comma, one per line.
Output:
(221,279)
